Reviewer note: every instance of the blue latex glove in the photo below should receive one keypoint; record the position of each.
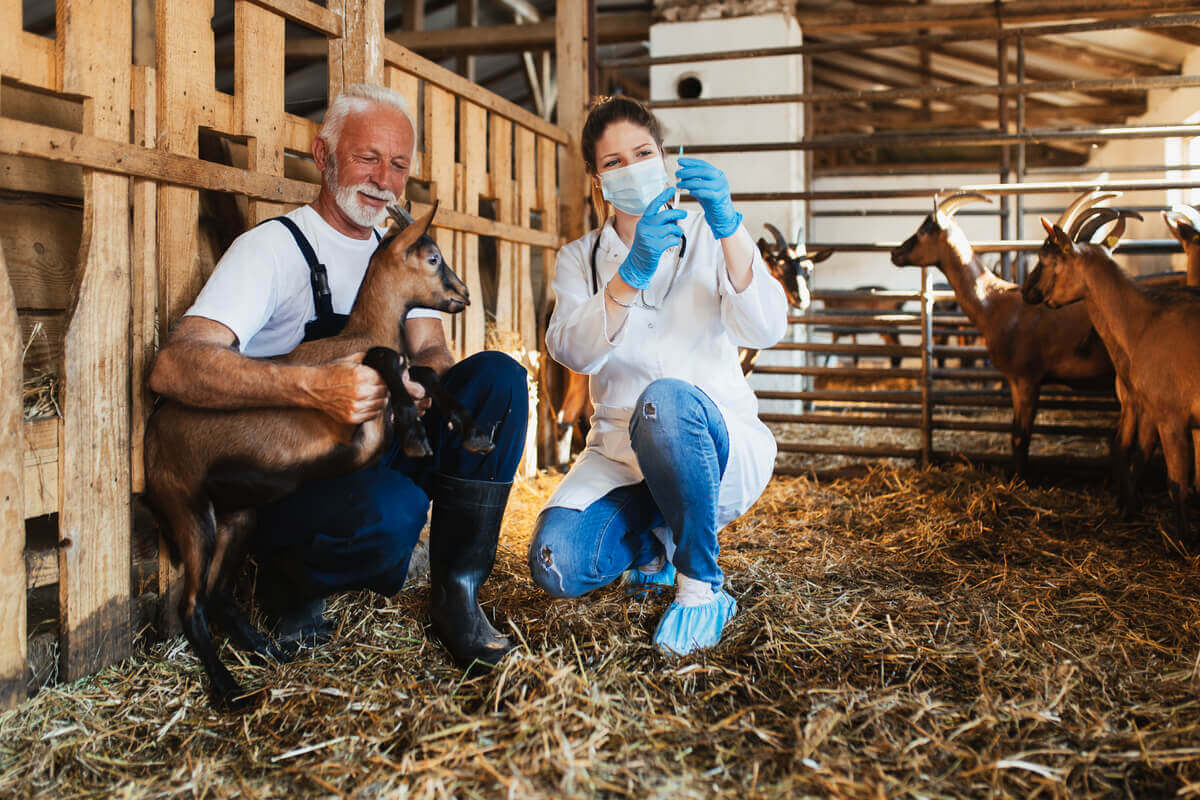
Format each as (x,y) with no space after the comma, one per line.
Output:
(709,185)
(685,629)
(657,230)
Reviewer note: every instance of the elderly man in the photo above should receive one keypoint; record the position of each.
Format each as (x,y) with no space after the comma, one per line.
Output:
(294,279)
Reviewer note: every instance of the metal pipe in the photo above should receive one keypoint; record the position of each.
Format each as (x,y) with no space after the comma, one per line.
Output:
(1019,231)
(1048,187)
(955,138)
(1005,153)
(1132,247)
(1134,84)
(910,40)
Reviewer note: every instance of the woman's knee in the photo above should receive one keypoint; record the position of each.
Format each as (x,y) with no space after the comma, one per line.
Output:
(663,399)
(550,562)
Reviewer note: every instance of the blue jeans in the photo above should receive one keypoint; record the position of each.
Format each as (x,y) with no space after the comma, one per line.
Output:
(682,447)
(357,531)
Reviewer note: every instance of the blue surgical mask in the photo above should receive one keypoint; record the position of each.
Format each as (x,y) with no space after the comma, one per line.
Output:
(632,188)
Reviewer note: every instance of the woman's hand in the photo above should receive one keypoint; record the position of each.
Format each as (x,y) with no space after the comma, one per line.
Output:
(657,231)
(709,185)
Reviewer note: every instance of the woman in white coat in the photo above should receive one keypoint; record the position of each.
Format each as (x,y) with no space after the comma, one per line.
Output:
(653,306)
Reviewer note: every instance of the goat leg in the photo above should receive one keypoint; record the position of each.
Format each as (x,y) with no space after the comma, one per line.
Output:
(402,410)
(1025,402)
(473,439)
(233,541)
(194,537)
(1177,452)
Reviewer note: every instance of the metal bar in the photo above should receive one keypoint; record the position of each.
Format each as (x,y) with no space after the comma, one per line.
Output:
(852,319)
(981,426)
(1133,84)
(959,139)
(1005,154)
(849,373)
(965,212)
(913,422)
(1019,231)
(858,420)
(1136,246)
(865,294)
(926,369)
(1046,187)
(909,40)
(849,349)
(848,450)
(914,398)
(1086,170)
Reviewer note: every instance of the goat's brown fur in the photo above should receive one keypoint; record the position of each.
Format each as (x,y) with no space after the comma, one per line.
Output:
(206,469)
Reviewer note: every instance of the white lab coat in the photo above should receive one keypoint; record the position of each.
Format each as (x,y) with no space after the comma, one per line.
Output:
(693,336)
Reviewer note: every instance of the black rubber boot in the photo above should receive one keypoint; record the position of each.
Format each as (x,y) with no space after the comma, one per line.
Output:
(462,548)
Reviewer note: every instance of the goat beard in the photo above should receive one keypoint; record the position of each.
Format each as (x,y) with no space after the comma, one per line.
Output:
(347,200)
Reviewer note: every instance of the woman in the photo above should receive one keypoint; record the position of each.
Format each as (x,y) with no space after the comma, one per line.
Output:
(653,306)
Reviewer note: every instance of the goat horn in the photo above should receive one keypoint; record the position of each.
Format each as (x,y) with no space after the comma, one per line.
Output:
(400,214)
(950,205)
(1082,203)
(780,242)
(1090,221)
(1114,236)
(1189,213)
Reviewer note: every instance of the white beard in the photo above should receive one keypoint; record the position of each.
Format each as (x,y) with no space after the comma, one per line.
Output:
(350,204)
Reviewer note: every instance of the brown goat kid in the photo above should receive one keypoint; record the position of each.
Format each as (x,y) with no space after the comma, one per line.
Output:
(1154,339)
(1031,345)
(206,469)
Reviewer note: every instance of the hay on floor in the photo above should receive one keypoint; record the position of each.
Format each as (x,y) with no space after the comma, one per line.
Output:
(938,633)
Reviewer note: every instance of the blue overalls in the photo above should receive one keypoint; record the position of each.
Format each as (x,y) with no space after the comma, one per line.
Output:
(358,530)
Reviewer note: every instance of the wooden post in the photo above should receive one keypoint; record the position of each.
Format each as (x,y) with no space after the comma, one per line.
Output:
(258,95)
(467,14)
(571,52)
(12,503)
(473,149)
(1005,150)
(926,369)
(144,272)
(357,57)
(94,47)
(413,18)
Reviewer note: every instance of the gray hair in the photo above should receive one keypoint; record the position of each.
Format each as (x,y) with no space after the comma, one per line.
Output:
(357,98)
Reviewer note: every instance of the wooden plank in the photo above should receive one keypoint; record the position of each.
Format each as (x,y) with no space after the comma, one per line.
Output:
(537,36)
(356,56)
(144,277)
(404,59)
(40,240)
(184,68)
(298,132)
(409,87)
(41,467)
(500,170)
(473,147)
(548,200)
(525,169)
(439,150)
(12,504)
(27,57)
(36,176)
(95,48)
(306,13)
(258,95)
(572,49)
(457,329)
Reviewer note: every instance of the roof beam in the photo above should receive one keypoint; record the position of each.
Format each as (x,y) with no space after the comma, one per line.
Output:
(611,28)
(986,14)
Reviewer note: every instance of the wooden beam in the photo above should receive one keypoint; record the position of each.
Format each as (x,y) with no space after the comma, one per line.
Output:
(571,58)
(467,16)
(1188,34)
(1097,63)
(413,16)
(12,503)
(990,61)
(958,15)
(914,118)
(96,53)
(537,36)
(356,57)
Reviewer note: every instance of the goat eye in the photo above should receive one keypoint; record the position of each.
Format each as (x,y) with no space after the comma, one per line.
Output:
(433,259)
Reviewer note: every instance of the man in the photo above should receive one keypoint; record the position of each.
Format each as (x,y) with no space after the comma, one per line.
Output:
(294,279)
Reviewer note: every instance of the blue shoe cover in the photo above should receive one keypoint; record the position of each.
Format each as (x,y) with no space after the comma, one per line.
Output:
(637,582)
(685,629)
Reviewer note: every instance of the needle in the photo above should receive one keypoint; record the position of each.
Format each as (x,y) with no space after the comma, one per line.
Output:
(676,204)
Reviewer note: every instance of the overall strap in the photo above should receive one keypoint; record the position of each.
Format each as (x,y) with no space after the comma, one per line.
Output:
(322,298)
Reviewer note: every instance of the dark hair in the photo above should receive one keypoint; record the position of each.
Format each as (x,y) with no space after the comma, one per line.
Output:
(607,110)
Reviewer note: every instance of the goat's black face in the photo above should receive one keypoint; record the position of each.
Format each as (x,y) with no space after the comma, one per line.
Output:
(920,249)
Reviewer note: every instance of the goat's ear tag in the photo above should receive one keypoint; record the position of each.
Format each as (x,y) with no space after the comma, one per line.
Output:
(1111,241)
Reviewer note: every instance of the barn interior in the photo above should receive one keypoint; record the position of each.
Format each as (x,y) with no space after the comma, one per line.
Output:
(916,619)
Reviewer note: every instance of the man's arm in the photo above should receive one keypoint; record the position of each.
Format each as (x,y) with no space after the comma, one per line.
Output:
(199,366)
(426,339)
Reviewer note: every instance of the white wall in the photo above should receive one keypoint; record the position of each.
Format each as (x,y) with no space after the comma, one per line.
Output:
(748,172)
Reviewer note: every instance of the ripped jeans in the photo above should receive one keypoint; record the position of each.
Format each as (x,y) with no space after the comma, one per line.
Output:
(682,447)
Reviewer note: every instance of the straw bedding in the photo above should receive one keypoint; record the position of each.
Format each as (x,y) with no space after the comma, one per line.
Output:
(938,633)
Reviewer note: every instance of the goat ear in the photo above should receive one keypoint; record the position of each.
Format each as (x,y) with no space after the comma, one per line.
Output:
(822,255)
(1056,235)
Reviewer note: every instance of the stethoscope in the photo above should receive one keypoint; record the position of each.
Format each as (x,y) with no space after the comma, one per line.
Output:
(642,293)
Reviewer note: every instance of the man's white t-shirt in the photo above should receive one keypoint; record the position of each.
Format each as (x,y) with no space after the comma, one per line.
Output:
(261,290)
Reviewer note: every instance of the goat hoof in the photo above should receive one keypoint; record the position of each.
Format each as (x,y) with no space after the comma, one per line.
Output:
(478,443)
(236,701)
(417,449)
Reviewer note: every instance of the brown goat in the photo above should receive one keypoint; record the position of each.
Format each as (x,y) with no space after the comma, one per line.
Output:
(1031,345)
(1184,224)
(206,469)
(793,271)
(1154,339)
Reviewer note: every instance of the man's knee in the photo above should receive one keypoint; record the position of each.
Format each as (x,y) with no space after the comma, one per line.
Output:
(549,562)
(498,372)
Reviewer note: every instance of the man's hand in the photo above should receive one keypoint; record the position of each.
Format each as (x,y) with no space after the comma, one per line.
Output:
(347,391)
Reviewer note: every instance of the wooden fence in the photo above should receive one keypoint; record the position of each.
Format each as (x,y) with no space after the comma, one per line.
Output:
(100,185)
